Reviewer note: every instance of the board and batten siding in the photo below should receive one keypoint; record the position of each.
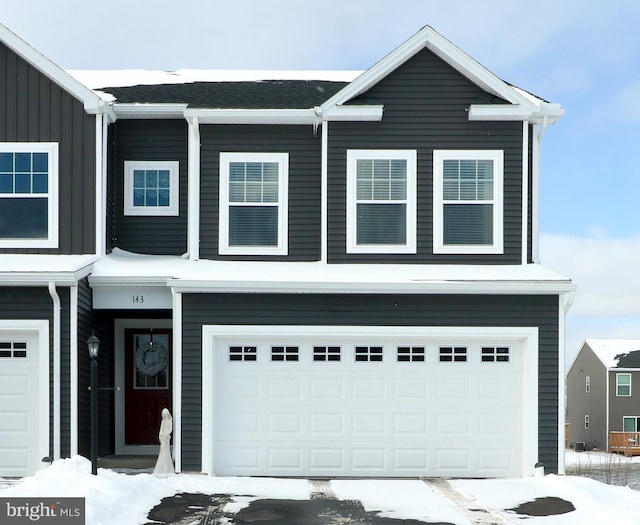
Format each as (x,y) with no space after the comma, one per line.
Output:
(303,146)
(148,140)
(425,108)
(373,310)
(35,109)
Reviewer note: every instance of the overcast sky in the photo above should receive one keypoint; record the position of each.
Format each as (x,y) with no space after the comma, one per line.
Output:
(583,54)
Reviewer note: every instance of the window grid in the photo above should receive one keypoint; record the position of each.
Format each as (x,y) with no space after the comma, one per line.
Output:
(151,188)
(623,385)
(13,349)
(243,353)
(410,354)
(368,353)
(496,354)
(326,353)
(453,354)
(284,353)
(24,173)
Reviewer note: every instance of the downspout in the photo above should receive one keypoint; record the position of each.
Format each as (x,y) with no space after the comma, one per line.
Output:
(56,369)
(535,189)
(324,191)
(565,302)
(73,370)
(177,379)
(193,206)
(525,191)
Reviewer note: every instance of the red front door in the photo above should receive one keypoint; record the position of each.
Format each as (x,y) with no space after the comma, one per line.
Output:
(147,383)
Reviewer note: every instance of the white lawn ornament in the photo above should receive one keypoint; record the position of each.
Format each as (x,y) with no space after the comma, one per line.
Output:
(164,464)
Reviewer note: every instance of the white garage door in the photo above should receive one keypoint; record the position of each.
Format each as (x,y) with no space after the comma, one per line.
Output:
(19,404)
(339,405)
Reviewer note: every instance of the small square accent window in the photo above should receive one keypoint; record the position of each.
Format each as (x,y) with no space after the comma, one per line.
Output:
(151,188)
(411,354)
(326,353)
(623,385)
(13,349)
(495,354)
(28,195)
(453,354)
(284,353)
(243,353)
(368,353)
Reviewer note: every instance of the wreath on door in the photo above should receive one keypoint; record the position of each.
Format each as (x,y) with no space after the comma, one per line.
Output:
(152,359)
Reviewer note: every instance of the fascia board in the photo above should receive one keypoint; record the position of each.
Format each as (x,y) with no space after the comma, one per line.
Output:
(137,281)
(516,112)
(354,113)
(92,102)
(454,56)
(149,111)
(254,116)
(460,287)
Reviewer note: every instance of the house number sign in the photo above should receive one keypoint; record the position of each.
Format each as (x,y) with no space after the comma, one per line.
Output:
(150,297)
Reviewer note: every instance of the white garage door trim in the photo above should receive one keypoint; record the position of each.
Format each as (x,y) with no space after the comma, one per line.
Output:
(39,328)
(528,336)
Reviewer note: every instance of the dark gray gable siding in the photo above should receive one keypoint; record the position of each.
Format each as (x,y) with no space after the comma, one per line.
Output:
(581,403)
(35,109)
(425,108)
(374,310)
(148,140)
(303,147)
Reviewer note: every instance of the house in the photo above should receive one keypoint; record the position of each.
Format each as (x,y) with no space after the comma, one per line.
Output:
(320,275)
(600,393)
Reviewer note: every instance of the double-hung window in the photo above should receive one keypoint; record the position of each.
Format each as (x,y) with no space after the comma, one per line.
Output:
(151,188)
(623,385)
(467,201)
(381,201)
(28,195)
(253,203)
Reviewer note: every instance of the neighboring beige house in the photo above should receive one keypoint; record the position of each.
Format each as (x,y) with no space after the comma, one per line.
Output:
(603,391)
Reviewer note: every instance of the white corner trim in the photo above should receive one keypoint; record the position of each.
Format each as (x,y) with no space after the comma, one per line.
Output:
(56,368)
(177,379)
(324,191)
(525,191)
(73,370)
(101,183)
(193,181)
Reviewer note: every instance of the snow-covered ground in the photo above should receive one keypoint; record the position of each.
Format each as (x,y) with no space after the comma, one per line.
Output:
(120,499)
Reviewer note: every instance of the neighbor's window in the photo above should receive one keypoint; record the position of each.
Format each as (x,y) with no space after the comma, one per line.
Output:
(253,203)
(631,424)
(381,201)
(586,421)
(623,385)
(28,195)
(587,384)
(151,188)
(467,201)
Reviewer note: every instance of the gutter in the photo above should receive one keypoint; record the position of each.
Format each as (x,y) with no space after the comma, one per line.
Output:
(56,368)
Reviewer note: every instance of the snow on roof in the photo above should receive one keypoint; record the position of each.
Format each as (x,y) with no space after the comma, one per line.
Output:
(612,352)
(24,268)
(317,276)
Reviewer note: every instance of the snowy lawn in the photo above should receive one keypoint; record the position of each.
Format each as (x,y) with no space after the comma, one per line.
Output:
(120,499)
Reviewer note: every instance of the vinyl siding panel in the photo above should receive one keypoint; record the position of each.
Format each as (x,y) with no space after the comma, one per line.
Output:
(593,403)
(303,146)
(35,109)
(374,310)
(425,108)
(151,140)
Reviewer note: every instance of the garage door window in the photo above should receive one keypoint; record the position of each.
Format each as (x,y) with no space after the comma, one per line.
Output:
(284,353)
(13,349)
(453,354)
(495,354)
(242,353)
(411,354)
(326,353)
(368,353)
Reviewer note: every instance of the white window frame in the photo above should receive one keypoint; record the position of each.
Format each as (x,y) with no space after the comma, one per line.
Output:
(497,156)
(52,194)
(635,419)
(618,385)
(173,209)
(410,246)
(282,159)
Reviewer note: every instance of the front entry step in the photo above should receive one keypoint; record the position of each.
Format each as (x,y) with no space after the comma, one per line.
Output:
(121,462)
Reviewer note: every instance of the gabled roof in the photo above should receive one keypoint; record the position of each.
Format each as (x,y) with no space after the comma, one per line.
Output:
(616,353)
(92,102)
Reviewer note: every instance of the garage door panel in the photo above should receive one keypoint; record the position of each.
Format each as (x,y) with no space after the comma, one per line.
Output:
(353,418)
(15,385)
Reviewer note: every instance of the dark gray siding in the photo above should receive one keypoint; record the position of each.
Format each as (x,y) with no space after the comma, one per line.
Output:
(580,403)
(303,146)
(623,406)
(425,108)
(148,140)
(374,310)
(34,109)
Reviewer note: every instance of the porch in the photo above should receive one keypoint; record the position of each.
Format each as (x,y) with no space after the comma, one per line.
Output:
(627,443)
